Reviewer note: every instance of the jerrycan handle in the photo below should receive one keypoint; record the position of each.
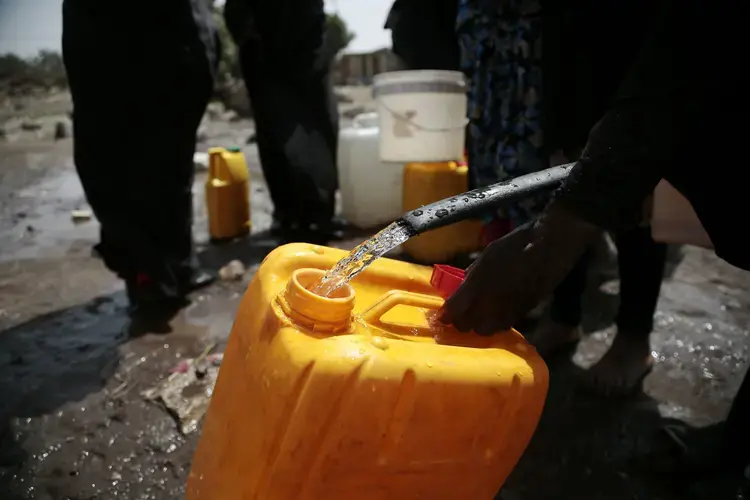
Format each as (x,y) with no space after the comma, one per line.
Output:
(399,298)
(217,168)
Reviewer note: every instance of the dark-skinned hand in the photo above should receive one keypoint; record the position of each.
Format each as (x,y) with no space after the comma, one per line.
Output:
(517,272)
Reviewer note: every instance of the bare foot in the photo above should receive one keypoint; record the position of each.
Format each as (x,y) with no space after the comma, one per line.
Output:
(549,337)
(623,366)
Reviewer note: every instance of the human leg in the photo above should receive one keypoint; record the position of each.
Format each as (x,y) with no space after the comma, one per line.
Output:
(296,117)
(641,262)
(136,168)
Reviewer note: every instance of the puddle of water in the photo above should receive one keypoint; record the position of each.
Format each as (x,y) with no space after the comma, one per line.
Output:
(361,257)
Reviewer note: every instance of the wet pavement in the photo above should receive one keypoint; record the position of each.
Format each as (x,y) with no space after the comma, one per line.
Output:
(74,425)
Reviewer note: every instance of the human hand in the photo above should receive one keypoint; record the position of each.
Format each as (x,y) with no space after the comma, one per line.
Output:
(517,272)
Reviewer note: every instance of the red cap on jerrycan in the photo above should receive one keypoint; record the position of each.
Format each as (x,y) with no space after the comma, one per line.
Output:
(446,279)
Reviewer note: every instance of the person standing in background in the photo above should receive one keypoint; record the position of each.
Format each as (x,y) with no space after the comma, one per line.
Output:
(591,46)
(514,130)
(140,82)
(423,34)
(286,68)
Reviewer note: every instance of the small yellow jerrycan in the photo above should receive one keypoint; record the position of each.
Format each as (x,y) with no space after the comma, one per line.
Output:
(227,194)
(362,395)
(425,183)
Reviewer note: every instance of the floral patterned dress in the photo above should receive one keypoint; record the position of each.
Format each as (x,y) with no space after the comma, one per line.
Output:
(501,53)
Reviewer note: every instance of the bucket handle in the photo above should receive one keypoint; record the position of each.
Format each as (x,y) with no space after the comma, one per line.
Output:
(402,117)
(374,314)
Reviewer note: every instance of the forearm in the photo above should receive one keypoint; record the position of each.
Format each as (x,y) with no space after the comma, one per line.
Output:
(622,163)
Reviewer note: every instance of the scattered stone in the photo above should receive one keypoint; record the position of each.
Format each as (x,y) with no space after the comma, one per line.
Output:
(186,392)
(353,111)
(234,271)
(200,160)
(342,97)
(215,110)
(30,125)
(252,139)
(62,130)
(81,215)
(231,116)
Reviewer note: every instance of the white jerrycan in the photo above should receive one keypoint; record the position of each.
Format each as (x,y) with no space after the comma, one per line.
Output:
(370,189)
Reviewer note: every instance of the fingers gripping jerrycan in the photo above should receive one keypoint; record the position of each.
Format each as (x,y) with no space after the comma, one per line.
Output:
(227,194)
(361,395)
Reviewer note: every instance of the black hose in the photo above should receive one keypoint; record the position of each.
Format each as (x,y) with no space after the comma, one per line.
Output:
(466,205)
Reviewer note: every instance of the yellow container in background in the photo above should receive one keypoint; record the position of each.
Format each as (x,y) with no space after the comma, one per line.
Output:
(426,183)
(227,194)
(362,395)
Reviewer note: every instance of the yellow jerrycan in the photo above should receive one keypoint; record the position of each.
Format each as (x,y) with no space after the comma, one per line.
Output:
(227,194)
(425,183)
(361,395)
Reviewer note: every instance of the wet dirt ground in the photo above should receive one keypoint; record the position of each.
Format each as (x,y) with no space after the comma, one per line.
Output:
(73,423)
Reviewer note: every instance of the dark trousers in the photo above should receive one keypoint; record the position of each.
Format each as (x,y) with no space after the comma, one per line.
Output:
(423,33)
(641,262)
(737,428)
(287,74)
(139,88)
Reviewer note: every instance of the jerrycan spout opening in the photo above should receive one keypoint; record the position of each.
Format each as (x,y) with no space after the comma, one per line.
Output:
(332,314)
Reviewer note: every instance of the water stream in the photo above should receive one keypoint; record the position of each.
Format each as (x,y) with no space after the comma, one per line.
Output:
(361,257)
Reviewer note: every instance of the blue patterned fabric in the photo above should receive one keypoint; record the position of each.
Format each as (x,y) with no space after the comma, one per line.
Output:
(501,53)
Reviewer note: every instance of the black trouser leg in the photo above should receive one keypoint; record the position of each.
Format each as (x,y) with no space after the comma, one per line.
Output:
(736,444)
(296,124)
(641,261)
(137,105)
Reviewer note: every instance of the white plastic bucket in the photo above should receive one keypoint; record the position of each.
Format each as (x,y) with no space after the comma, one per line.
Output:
(422,115)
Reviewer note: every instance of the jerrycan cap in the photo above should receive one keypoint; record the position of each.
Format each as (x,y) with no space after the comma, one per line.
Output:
(329,314)
(234,149)
(446,279)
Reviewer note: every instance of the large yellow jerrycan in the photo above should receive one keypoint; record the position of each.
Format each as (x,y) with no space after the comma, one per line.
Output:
(227,194)
(360,395)
(425,183)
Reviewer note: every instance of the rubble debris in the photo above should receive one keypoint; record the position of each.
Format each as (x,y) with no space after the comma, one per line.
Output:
(186,392)
(30,125)
(342,97)
(231,116)
(234,271)
(81,215)
(215,110)
(61,130)
(200,160)
(352,111)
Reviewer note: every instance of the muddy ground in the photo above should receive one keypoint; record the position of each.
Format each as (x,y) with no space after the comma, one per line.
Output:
(73,423)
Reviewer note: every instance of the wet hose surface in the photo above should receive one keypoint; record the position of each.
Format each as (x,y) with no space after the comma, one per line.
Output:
(472,203)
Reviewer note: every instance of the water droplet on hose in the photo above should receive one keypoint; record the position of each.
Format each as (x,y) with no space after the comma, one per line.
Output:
(441,213)
(417,213)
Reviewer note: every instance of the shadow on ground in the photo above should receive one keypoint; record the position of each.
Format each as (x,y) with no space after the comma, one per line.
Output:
(71,366)
(73,424)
